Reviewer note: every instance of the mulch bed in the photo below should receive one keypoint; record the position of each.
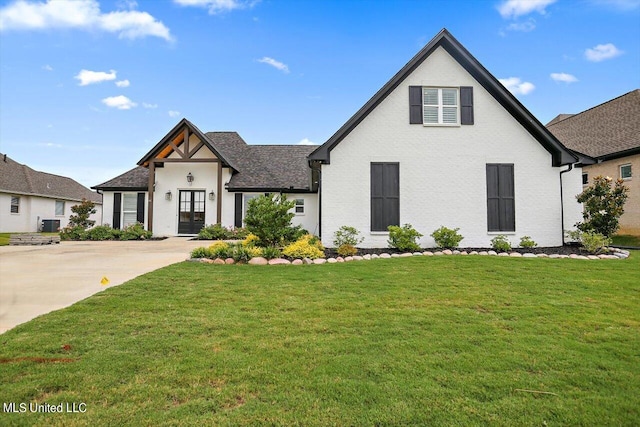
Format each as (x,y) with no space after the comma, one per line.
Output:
(560,250)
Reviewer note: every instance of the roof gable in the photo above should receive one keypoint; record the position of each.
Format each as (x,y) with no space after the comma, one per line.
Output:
(21,179)
(164,146)
(609,130)
(560,155)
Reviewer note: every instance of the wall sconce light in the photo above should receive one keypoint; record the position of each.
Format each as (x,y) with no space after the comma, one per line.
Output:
(212,195)
(189,178)
(167,195)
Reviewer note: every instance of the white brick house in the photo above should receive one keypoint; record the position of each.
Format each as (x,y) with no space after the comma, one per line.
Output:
(442,143)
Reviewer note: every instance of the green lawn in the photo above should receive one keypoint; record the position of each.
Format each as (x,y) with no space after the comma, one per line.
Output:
(418,341)
(626,240)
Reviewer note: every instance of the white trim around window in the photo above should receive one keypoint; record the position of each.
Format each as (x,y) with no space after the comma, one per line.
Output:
(625,171)
(440,106)
(299,207)
(15,205)
(60,207)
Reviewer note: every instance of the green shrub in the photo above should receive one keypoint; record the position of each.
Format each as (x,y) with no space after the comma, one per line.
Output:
(135,232)
(251,240)
(254,251)
(602,205)
(216,232)
(527,242)
(77,232)
(347,236)
(594,243)
(219,250)
(446,237)
(240,253)
(501,244)
(271,252)
(100,232)
(403,238)
(307,246)
(81,214)
(347,250)
(269,218)
(239,233)
(201,253)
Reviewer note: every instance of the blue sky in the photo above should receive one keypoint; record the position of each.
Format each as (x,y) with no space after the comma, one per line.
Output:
(87,87)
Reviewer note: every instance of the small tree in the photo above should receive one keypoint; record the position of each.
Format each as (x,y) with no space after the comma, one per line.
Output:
(269,218)
(82,212)
(603,205)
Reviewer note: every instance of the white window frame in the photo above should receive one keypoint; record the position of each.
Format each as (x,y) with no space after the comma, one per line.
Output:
(16,205)
(299,205)
(123,223)
(63,207)
(630,171)
(440,106)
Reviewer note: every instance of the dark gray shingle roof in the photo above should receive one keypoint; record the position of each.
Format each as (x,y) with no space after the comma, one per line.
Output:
(136,178)
(21,179)
(604,130)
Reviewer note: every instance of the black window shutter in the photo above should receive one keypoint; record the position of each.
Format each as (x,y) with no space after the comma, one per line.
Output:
(501,214)
(117,209)
(238,211)
(140,208)
(466,105)
(415,105)
(385,195)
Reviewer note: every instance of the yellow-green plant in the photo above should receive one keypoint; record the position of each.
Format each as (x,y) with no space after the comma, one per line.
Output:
(219,250)
(251,240)
(307,246)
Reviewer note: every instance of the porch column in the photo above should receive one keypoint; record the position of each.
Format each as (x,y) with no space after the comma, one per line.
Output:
(151,184)
(219,198)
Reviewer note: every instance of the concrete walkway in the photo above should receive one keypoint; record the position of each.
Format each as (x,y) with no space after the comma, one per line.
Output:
(35,280)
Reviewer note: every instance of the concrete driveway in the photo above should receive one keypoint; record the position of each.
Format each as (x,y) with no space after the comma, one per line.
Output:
(35,280)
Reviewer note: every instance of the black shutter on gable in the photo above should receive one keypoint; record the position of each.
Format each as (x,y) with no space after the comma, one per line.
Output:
(238,211)
(140,209)
(117,209)
(415,105)
(385,195)
(466,105)
(501,214)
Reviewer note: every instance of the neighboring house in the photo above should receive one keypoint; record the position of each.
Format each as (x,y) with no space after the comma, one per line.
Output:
(197,179)
(609,133)
(29,197)
(442,143)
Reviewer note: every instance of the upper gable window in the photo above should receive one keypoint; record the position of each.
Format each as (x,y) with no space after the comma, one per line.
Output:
(440,106)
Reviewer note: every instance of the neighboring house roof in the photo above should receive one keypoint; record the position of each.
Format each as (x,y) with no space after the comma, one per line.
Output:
(606,131)
(560,154)
(16,178)
(559,118)
(134,179)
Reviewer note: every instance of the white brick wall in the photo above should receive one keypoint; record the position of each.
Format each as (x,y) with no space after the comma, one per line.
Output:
(442,169)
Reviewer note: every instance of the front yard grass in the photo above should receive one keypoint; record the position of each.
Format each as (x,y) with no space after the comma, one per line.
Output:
(417,341)
(626,240)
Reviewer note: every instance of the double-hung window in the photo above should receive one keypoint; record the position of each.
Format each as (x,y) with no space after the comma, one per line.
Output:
(625,171)
(15,204)
(129,209)
(59,207)
(299,207)
(440,106)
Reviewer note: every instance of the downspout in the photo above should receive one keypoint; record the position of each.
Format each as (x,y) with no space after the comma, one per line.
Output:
(319,170)
(562,200)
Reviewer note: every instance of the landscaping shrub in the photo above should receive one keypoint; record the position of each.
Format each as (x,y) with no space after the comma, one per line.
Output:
(501,243)
(219,250)
(347,236)
(135,232)
(347,250)
(81,214)
(271,252)
(446,237)
(527,242)
(239,253)
(254,251)
(594,243)
(251,240)
(602,205)
(403,238)
(77,232)
(307,246)
(201,253)
(100,232)
(218,232)
(269,218)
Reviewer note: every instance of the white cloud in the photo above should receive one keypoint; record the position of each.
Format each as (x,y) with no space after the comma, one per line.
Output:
(525,27)
(123,83)
(564,77)
(88,77)
(218,6)
(120,102)
(515,8)
(274,63)
(602,52)
(145,105)
(306,141)
(517,86)
(173,113)
(47,67)
(80,14)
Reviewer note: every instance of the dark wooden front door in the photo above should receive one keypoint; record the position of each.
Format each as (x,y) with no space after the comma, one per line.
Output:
(191,207)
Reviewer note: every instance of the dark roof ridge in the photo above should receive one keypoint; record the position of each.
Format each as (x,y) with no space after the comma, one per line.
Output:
(594,107)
